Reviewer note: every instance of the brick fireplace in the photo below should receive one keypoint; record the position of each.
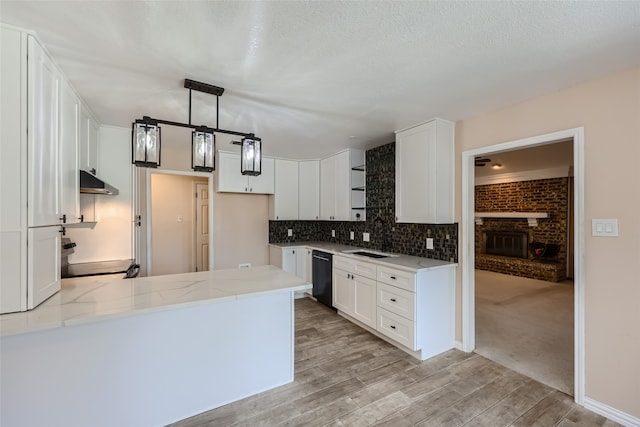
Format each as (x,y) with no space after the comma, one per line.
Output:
(511,245)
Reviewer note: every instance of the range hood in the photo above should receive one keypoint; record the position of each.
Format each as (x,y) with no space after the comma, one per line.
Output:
(93,185)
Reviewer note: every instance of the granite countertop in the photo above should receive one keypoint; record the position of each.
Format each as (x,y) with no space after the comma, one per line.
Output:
(402,262)
(97,298)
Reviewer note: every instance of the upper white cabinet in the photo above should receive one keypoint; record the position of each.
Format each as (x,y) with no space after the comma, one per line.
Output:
(42,138)
(230,180)
(69,177)
(309,190)
(336,186)
(425,173)
(283,205)
(88,140)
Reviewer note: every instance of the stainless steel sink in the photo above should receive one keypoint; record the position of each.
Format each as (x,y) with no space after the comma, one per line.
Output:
(367,253)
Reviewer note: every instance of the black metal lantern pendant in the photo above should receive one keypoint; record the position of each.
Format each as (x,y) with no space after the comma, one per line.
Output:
(145,139)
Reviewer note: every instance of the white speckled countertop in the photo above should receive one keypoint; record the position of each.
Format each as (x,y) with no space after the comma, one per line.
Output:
(402,262)
(91,299)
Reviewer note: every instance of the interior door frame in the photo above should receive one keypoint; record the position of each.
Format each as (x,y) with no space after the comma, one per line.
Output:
(149,172)
(196,197)
(468,241)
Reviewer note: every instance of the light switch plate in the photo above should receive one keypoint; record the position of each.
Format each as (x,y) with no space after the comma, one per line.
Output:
(352,235)
(289,232)
(429,242)
(365,237)
(604,227)
(333,233)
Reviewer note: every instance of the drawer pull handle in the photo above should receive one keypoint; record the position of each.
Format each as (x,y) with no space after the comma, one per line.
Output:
(393,300)
(392,277)
(392,327)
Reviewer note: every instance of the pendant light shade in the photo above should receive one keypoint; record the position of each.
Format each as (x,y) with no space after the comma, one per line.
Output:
(145,144)
(203,148)
(251,156)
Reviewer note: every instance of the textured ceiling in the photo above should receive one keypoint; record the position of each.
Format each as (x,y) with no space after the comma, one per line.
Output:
(307,76)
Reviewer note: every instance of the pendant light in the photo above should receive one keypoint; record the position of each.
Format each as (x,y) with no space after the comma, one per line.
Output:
(251,156)
(203,148)
(145,139)
(146,143)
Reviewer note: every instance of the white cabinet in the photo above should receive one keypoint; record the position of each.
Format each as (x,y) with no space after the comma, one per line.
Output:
(283,205)
(69,177)
(308,266)
(42,138)
(230,180)
(309,190)
(88,140)
(292,259)
(336,186)
(43,265)
(425,173)
(354,289)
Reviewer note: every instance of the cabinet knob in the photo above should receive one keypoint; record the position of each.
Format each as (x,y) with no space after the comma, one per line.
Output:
(246,189)
(93,171)
(63,230)
(392,300)
(392,327)
(81,218)
(392,277)
(250,189)
(294,251)
(64,218)
(277,217)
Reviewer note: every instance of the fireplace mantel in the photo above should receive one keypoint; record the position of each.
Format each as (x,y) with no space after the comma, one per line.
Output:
(531,217)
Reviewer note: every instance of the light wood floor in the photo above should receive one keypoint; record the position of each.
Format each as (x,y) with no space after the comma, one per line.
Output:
(344,376)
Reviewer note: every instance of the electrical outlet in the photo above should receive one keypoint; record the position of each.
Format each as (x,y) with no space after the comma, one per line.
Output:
(289,232)
(429,243)
(365,237)
(333,233)
(351,235)
(604,227)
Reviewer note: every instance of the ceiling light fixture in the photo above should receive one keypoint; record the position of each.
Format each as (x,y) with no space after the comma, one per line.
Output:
(496,166)
(145,139)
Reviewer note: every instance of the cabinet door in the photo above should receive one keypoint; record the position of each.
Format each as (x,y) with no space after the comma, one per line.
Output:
(289,260)
(83,138)
(69,177)
(327,188)
(343,291)
(342,186)
(229,178)
(265,182)
(301,263)
(43,264)
(309,190)
(309,266)
(414,149)
(43,191)
(285,198)
(365,300)
(94,141)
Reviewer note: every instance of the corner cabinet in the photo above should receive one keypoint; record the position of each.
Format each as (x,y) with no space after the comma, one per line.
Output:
(341,176)
(230,180)
(88,140)
(283,205)
(425,173)
(309,190)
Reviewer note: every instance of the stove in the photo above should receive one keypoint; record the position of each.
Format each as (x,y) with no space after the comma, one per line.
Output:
(99,268)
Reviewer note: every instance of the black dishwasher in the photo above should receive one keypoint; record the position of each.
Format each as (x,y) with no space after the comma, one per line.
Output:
(322,277)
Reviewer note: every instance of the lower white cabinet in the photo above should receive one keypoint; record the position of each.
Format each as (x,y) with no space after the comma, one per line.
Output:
(292,259)
(414,310)
(43,264)
(353,293)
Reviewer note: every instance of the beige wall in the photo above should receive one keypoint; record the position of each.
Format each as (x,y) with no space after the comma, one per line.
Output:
(609,110)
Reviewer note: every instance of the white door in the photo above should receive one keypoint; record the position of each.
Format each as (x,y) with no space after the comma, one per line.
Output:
(94,141)
(342,186)
(308,275)
(301,262)
(229,178)
(327,188)
(43,264)
(202,227)
(265,182)
(343,291)
(289,260)
(70,179)
(43,183)
(365,300)
(285,199)
(309,190)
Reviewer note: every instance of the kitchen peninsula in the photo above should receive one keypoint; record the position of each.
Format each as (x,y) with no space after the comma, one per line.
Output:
(147,351)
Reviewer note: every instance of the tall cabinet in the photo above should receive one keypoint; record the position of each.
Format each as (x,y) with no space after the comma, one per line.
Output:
(425,173)
(39,170)
(339,178)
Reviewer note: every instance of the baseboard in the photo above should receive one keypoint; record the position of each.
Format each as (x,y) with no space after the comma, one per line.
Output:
(458,345)
(611,413)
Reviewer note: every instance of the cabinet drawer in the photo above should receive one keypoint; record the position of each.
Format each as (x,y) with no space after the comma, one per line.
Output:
(364,269)
(397,328)
(401,279)
(396,300)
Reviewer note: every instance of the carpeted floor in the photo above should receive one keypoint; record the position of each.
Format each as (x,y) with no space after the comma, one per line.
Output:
(527,325)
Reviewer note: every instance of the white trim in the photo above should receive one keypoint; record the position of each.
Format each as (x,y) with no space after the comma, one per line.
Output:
(612,413)
(468,241)
(531,217)
(457,345)
(532,175)
(209,177)
(422,123)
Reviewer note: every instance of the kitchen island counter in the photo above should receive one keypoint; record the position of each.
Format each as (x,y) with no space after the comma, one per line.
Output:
(97,298)
(147,351)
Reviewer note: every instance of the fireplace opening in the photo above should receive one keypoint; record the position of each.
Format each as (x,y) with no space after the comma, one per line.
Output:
(511,244)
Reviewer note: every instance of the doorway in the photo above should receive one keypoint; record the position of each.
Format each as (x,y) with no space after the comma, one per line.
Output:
(469,238)
(177,225)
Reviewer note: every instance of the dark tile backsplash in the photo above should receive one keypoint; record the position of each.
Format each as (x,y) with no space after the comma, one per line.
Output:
(385,234)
